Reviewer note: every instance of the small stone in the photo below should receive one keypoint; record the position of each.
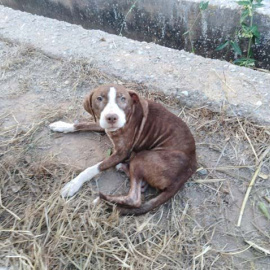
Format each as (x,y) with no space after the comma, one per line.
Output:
(16,188)
(202,171)
(259,103)
(96,201)
(28,159)
(185,93)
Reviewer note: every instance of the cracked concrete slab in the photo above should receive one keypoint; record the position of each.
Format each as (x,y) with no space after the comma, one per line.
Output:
(194,80)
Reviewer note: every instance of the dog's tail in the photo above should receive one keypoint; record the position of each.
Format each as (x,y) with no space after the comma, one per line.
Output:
(163,197)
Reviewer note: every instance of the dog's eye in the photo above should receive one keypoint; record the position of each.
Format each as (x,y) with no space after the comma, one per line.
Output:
(99,98)
(123,99)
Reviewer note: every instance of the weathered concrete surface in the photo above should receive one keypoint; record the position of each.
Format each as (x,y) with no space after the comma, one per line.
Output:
(196,81)
(159,21)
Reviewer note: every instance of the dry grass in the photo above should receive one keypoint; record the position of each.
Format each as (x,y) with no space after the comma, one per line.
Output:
(40,230)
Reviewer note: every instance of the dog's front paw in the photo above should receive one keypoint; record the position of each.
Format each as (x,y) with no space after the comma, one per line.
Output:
(61,126)
(70,188)
(122,167)
(119,167)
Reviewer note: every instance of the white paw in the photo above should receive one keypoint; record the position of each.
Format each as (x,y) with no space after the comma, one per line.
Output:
(70,188)
(119,166)
(61,126)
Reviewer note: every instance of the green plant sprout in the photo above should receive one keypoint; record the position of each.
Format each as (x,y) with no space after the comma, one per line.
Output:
(125,18)
(203,6)
(247,31)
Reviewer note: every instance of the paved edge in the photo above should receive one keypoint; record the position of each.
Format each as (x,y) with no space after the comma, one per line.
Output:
(192,79)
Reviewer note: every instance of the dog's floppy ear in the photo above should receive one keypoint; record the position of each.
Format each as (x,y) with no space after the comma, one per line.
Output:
(136,99)
(87,104)
(134,96)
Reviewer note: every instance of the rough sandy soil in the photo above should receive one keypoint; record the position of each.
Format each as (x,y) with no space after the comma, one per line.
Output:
(195,230)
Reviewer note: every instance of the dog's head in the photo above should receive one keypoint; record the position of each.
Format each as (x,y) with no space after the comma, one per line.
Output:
(111,105)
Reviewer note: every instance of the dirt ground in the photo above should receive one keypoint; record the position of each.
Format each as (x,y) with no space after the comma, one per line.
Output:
(197,229)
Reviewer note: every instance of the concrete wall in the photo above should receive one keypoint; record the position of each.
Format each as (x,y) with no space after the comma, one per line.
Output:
(159,21)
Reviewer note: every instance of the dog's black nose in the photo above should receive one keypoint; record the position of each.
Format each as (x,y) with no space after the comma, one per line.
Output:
(111,118)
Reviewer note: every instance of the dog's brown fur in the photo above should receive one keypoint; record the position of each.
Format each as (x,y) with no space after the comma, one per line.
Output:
(158,145)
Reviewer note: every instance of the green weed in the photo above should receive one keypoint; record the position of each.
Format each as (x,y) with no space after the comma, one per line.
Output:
(247,31)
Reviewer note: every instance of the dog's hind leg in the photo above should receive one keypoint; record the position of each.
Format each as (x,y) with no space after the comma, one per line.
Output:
(132,199)
(163,197)
(124,167)
(164,170)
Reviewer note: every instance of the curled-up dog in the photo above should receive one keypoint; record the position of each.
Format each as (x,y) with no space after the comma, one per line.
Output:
(150,143)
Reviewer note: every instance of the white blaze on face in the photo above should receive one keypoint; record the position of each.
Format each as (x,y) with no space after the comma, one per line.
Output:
(112,108)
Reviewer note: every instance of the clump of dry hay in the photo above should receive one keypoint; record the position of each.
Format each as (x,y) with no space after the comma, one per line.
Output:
(40,230)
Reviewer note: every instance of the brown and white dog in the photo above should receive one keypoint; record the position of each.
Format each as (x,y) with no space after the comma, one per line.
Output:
(158,146)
